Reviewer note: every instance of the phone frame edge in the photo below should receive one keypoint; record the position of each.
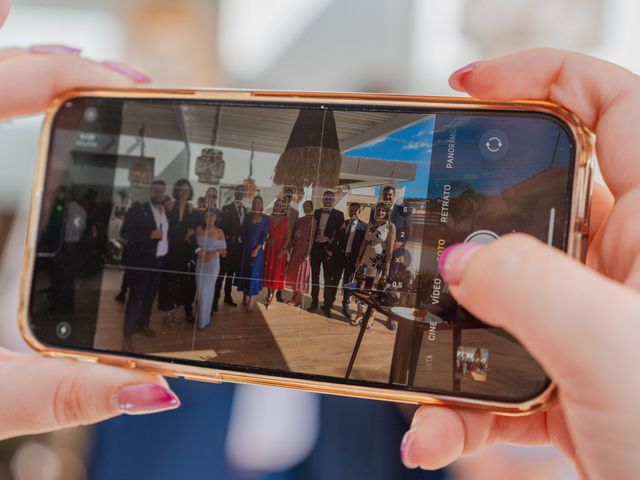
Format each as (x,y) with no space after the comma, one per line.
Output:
(576,245)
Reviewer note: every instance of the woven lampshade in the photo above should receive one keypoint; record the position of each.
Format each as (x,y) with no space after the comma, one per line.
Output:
(210,164)
(140,174)
(312,155)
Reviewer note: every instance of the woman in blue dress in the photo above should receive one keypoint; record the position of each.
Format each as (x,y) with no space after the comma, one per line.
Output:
(255,231)
(211,246)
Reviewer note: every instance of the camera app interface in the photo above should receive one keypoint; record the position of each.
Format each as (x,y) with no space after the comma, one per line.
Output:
(298,240)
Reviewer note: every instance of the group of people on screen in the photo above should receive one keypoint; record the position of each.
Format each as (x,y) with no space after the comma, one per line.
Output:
(186,255)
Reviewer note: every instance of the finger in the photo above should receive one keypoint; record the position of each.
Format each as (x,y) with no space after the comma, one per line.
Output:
(605,96)
(44,49)
(601,205)
(439,435)
(620,241)
(11,52)
(47,49)
(5,6)
(633,278)
(30,81)
(47,394)
(551,303)
(7,354)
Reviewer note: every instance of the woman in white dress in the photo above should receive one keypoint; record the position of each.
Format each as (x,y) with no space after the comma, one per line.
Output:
(375,252)
(211,246)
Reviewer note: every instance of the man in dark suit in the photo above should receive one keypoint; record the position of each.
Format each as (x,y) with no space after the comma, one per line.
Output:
(291,209)
(348,242)
(145,228)
(211,203)
(232,217)
(401,218)
(327,223)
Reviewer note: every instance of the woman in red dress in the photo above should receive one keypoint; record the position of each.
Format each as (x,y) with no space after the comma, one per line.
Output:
(275,255)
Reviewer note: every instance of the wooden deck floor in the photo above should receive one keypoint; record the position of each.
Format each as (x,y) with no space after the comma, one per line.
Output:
(292,339)
(283,337)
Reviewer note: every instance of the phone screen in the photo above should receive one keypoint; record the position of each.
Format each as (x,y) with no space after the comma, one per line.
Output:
(292,239)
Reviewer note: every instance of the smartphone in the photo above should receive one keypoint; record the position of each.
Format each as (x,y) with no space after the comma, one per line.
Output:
(291,239)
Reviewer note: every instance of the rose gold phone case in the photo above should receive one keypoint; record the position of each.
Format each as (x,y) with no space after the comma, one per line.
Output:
(576,240)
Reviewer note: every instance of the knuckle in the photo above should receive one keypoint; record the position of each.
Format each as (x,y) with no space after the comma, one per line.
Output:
(621,238)
(68,406)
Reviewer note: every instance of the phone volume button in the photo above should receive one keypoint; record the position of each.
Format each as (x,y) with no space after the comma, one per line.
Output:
(582,226)
(72,356)
(202,378)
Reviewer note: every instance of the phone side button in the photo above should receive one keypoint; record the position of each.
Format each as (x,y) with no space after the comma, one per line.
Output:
(72,356)
(129,363)
(582,226)
(201,378)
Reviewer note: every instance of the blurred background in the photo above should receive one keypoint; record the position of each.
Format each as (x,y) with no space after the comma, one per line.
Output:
(407,46)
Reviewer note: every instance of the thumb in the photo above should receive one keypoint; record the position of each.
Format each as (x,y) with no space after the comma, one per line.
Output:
(570,318)
(42,394)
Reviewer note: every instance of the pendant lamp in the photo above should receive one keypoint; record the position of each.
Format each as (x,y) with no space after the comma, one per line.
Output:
(312,155)
(210,165)
(140,173)
(249,183)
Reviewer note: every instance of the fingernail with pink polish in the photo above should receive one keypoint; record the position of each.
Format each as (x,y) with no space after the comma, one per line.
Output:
(405,449)
(54,49)
(128,71)
(145,398)
(453,261)
(455,79)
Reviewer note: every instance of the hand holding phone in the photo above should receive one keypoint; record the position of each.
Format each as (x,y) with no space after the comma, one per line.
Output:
(581,324)
(44,394)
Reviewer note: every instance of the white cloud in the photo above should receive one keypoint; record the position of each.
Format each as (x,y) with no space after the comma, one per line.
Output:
(417,145)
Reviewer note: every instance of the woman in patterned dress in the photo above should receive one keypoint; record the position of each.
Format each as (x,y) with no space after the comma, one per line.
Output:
(375,252)
(299,268)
